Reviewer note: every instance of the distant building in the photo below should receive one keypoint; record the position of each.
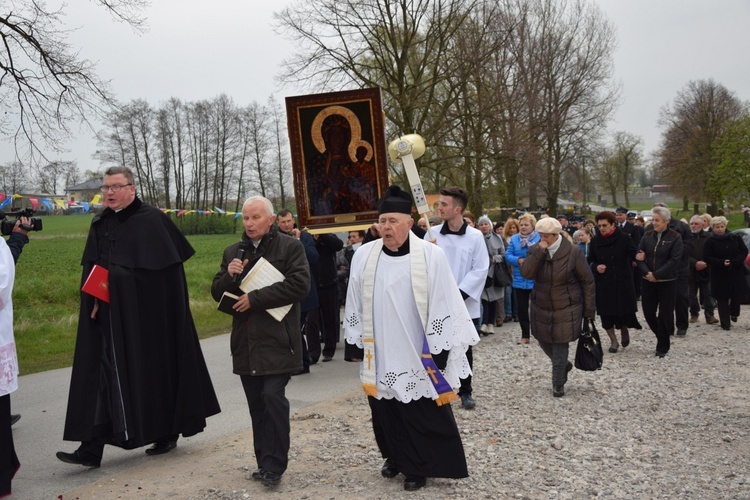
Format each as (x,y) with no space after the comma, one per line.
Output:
(85,191)
(660,189)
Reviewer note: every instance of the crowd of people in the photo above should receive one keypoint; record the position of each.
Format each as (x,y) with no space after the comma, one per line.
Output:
(416,298)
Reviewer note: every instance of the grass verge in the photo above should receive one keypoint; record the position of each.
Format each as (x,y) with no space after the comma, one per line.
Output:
(46,293)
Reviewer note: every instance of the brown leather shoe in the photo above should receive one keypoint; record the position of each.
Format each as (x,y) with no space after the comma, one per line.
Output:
(711,320)
(523,341)
(693,319)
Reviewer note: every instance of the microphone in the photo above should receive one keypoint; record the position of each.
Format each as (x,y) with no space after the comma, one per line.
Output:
(240,255)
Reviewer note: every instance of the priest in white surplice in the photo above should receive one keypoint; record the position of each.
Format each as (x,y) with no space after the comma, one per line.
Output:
(408,325)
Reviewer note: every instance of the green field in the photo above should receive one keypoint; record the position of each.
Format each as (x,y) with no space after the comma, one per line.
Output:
(46,293)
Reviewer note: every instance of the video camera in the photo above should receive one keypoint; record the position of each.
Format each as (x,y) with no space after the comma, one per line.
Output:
(6,226)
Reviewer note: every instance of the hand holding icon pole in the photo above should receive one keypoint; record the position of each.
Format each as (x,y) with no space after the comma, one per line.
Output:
(406,149)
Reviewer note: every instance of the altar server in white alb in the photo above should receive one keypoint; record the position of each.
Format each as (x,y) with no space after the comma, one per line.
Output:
(467,256)
(407,323)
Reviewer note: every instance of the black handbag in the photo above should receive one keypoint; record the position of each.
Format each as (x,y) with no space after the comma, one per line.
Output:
(589,353)
(502,277)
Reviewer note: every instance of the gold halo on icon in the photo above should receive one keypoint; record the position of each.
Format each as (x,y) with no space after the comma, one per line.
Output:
(355,146)
(354,125)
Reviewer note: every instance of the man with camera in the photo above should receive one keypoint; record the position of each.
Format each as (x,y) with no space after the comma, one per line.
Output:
(9,253)
(17,238)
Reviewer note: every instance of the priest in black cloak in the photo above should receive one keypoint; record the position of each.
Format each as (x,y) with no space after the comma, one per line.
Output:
(139,376)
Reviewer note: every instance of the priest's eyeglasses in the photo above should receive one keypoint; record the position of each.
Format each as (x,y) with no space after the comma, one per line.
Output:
(115,189)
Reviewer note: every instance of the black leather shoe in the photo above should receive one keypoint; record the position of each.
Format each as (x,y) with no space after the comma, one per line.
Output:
(76,459)
(326,359)
(558,391)
(161,447)
(388,470)
(467,401)
(258,473)
(413,483)
(660,354)
(15,418)
(270,478)
(625,339)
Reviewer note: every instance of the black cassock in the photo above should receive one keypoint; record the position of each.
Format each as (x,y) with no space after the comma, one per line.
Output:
(138,370)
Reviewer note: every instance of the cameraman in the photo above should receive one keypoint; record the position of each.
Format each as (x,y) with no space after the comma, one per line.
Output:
(9,463)
(17,239)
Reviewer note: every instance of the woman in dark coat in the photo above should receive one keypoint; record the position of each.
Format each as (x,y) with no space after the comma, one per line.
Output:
(611,256)
(562,296)
(725,254)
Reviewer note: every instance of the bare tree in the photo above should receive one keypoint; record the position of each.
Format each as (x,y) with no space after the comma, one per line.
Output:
(279,148)
(465,150)
(14,177)
(197,125)
(51,174)
(45,87)
(607,174)
(225,140)
(693,124)
(564,55)
(259,140)
(401,46)
(72,176)
(628,154)
(112,143)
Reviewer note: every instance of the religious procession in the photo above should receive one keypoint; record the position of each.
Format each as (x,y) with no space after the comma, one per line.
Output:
(407,293)
(409,296)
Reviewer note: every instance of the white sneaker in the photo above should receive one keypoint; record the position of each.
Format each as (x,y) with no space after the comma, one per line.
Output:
(483,329)
(491,329)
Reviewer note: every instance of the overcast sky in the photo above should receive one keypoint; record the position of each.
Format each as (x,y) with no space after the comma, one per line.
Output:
(197,50)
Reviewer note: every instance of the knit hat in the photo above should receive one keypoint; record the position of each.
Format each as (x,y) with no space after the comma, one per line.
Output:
(548,225)
(484,218)
(395,200)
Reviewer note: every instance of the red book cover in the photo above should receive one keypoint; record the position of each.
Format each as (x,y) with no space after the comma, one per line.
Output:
(97,284)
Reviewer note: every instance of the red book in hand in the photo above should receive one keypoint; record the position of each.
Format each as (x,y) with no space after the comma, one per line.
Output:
(97,284)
